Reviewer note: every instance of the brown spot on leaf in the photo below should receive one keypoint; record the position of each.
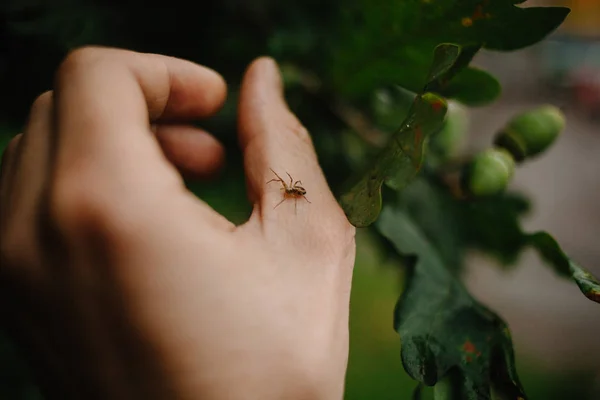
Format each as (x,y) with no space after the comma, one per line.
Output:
(469,347)
(478,354)
(466,22)
(437,105)
(469,359)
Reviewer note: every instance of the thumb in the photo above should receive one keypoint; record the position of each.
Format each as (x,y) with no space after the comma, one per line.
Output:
(275,142)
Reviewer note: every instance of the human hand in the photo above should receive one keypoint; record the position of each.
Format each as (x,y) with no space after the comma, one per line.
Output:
(125,285)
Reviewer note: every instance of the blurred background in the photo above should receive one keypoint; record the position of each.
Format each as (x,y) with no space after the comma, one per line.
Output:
(555,329)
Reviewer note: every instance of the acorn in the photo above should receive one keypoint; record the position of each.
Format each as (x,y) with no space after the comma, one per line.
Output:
(488,173)
(449,141)
(532,132)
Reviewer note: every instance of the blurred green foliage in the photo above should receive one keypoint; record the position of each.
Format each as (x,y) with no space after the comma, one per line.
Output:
(356,74)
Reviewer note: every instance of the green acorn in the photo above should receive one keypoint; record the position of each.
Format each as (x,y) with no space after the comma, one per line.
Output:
(449,141)
(532,132)
(488,173)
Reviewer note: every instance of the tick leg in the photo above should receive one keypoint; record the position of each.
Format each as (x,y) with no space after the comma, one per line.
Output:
(279,203)
(304,197)
(291,179)
(295,205)
(297,182)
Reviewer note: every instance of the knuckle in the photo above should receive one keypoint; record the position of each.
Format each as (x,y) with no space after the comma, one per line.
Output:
(81,204)
(41,106)
(41,103)
(11,147)
(7,158)
(12,144)
(73,206)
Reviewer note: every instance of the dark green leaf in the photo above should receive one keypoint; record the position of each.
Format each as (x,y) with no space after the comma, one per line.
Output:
(454,226)
(473,86)
(442,327)
(390,42)
(492,224)
(553,254)
(504,27)
(436,213)
(445,62)
(448,60)
(397,164)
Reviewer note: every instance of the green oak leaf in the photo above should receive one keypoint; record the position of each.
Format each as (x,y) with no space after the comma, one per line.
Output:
(443,330)
(402,158)
(436,213)
(454,226)
(447,58)
(450,77)
(397,164)
(472,86)
(551,252)
(388,42)
(491,224)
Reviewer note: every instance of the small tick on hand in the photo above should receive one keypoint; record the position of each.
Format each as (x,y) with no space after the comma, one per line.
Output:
(292,191)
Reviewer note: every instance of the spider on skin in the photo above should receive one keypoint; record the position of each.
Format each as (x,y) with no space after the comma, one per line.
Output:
(292,191)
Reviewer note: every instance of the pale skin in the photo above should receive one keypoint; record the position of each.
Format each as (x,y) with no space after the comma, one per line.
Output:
(292,191)
(120,284)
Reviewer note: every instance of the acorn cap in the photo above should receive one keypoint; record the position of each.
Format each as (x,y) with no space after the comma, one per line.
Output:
(532,132)
(513,143)
(488,173)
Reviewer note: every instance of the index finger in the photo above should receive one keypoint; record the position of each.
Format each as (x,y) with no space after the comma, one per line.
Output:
(107,98)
